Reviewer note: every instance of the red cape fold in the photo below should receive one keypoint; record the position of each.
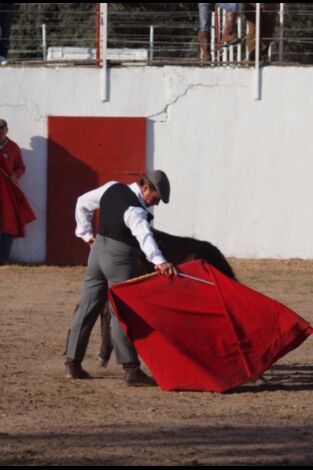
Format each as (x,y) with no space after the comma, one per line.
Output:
(194,336)
(15,211)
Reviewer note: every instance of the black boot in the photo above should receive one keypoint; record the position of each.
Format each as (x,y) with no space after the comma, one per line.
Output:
(134,376)
(74,370)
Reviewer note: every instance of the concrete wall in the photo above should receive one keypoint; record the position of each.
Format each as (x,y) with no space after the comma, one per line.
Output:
(241,169)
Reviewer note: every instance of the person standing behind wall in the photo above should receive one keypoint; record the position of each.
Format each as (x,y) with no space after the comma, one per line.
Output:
(205,14)
(7,11)
(229,33)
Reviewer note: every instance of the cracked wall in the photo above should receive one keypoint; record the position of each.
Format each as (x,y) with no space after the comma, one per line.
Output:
(240,169)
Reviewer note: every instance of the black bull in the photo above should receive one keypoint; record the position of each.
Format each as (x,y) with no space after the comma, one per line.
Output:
(177,250)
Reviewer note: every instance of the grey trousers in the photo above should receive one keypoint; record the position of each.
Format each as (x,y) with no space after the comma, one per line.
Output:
(109,262)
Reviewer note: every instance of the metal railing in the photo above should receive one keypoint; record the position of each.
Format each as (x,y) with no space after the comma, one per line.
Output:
(38,27)
(157,33)
(172,36)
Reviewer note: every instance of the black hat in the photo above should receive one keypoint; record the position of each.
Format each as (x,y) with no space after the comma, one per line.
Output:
(160,181)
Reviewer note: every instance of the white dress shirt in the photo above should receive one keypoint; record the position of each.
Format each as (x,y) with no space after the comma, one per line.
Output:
(135,219)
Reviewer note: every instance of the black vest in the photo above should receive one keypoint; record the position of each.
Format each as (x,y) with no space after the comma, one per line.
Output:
(113,205)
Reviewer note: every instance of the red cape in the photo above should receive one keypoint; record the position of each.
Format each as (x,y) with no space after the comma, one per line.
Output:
(194,336)
(15,211)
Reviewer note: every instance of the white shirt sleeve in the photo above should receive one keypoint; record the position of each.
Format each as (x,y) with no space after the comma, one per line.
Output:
(85,208)
(135,219)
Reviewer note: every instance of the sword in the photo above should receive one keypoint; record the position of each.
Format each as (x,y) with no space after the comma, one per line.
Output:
(193,278)
(187,276)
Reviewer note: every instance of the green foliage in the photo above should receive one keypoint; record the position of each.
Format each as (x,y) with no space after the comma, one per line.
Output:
(67,24)
(298,33)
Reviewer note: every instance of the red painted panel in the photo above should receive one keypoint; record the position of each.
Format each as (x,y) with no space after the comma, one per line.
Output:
(83,153)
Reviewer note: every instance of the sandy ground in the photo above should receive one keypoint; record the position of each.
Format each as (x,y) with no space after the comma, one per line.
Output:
(48,420)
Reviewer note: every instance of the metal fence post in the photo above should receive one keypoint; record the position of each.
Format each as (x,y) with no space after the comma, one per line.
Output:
(44,41)
(151,44)
(213,37)
(239,47)
(257,91)
(281,31)
(103,41)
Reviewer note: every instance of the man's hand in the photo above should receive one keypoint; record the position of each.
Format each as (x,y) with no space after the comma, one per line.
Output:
(167,269)
(91,241)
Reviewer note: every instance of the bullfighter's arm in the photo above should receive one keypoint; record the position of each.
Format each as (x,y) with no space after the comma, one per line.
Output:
(84,212)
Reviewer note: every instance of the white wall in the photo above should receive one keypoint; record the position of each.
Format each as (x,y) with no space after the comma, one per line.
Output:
(241,170)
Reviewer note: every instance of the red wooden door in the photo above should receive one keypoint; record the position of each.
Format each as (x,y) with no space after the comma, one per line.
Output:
(84,153)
